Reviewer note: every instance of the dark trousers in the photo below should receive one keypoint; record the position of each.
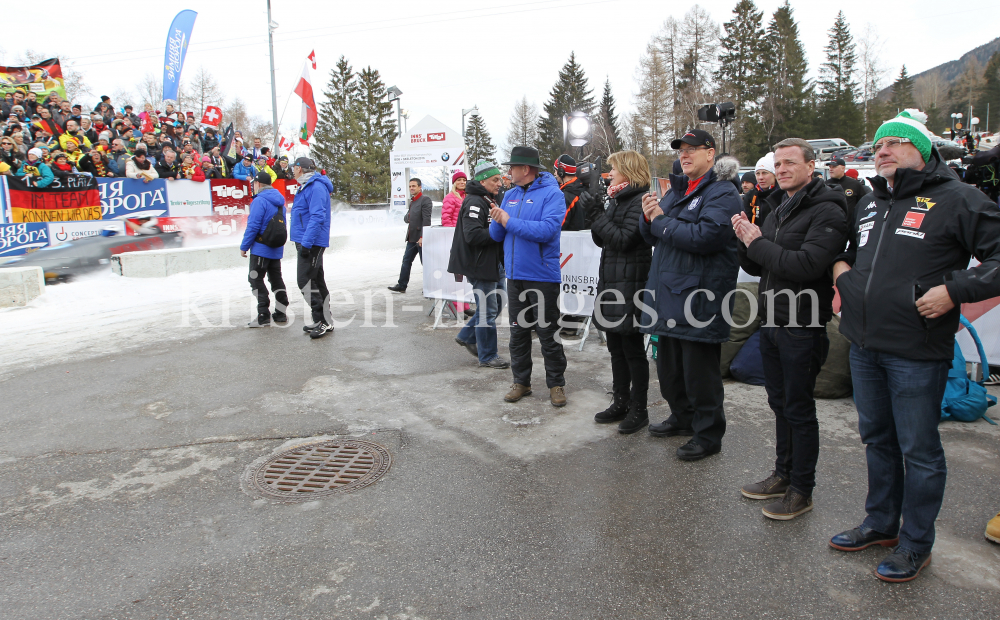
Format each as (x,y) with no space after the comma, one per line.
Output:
(792,357)
(259,266)
(535,305)
(312,282)
(691,383)
(629,367)
(899,409)
(412,251)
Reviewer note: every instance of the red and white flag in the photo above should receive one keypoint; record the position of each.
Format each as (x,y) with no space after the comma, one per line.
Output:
(312,59)
(285,144)
(212,116)
(310,115)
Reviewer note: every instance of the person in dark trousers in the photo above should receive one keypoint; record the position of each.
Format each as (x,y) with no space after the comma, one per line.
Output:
(264,259)
(572,188)
(418,216)
(310,230)
(528,224)
(793,253)
(624,268)
(695,265)
(902,282)
(476,256)
(854,190)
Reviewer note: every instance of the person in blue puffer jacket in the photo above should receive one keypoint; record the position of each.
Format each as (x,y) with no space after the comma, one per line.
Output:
(244,169)
(263,258)
(310,230)
(529,222)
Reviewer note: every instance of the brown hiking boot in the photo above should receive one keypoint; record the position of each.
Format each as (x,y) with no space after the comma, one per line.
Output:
(772,486)
(557,396)
(791,505)
(517,392)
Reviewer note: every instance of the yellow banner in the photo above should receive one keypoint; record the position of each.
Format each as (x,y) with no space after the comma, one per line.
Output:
(55,215)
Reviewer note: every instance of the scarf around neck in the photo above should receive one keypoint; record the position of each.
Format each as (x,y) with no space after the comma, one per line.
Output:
(616,189)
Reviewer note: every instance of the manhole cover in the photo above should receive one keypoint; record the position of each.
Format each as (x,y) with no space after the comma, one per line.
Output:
(320,469)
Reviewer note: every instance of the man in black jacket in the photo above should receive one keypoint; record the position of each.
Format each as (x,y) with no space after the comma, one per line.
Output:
(167,166)
(854,189)
(475,255)
(572,188)
(417,217)
(792,252)
(902,282)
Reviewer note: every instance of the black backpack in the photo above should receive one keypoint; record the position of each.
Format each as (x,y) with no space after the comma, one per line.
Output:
(275,233)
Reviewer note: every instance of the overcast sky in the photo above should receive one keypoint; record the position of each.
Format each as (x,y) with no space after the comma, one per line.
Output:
(446,56)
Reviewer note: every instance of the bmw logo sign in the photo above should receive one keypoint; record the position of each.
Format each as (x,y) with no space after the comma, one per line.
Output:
(445,156)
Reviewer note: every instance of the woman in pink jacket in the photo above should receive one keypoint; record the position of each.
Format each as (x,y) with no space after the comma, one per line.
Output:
(453,201)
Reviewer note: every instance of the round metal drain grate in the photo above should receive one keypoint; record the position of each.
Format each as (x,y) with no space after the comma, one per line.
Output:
(320,469)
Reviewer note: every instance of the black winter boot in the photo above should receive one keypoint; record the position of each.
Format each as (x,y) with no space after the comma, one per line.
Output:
(616,412)
(636,420)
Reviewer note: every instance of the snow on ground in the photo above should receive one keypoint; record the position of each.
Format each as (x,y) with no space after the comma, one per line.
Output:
(102,313)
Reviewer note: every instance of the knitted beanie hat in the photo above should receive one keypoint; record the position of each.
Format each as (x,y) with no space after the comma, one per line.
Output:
(765,163)
(484,170)
(908,124)
(458,175)
(748,177)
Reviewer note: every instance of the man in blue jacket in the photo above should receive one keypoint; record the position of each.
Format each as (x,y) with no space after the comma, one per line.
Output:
(528,223)
(263,258)
(310,230)
(244,169)
(695,264)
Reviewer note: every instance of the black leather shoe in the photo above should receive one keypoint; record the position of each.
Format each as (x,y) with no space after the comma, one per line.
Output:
(693,451)
(397,289)
(616,412)
(665,429)
(902,565)
(860,538)
(278,317)
(637,418)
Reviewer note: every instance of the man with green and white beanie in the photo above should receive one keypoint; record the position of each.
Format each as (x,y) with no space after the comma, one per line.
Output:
(902,282)
(476,256)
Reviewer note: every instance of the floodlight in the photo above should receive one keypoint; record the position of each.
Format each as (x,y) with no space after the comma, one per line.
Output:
(577,128)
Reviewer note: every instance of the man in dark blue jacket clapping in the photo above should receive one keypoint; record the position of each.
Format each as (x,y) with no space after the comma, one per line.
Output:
(695,265)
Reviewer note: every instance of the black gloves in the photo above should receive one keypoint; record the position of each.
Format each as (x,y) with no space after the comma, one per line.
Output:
(593,205)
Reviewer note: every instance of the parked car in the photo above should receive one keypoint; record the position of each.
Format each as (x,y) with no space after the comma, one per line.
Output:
(825,147)
(949,150)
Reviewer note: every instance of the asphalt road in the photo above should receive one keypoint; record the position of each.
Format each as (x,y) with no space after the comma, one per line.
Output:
(120,494)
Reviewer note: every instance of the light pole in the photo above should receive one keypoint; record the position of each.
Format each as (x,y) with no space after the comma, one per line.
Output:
(474,108)
(954,116)
(394,94)
(406,117)
(271,27)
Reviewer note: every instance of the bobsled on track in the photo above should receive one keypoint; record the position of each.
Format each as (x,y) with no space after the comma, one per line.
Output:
(64,261)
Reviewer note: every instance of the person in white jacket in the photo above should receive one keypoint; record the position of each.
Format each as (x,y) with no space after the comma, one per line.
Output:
(140,168)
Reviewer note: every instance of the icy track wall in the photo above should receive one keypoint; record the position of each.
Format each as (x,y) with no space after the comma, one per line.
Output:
(213,211)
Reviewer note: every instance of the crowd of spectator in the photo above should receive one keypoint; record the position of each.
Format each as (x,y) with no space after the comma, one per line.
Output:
(55,138)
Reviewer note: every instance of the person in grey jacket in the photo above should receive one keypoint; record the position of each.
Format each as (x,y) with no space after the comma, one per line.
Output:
(417,217)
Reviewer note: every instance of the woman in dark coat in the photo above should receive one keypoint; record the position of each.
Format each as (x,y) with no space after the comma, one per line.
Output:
(625,261)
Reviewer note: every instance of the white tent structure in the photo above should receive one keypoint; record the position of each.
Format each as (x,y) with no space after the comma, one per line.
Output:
(430,143)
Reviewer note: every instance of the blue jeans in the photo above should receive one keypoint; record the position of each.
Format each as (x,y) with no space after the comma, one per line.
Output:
(792,358)
(899,408)
(481,329)
(412,251)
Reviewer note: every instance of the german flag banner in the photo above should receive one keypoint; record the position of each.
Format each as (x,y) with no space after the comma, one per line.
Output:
(70,199)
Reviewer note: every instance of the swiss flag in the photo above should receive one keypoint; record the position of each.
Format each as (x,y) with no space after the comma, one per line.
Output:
(146,123)
(213,116)
(312,58)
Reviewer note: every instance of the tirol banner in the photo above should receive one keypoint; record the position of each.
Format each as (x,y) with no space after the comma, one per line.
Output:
(44,78)
(178,38)
(288,188)
(69,199)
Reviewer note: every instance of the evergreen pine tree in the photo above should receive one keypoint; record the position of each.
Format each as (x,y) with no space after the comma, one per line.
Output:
(741,76)
(785,110)
(571,93)
(902,93)
(337,130)
(607,136)
(839,114)
(377,130)
(478,144)
(990,94)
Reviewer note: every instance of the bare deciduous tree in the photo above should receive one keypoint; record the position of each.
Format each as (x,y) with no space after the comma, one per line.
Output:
(523,128)
(872,73)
